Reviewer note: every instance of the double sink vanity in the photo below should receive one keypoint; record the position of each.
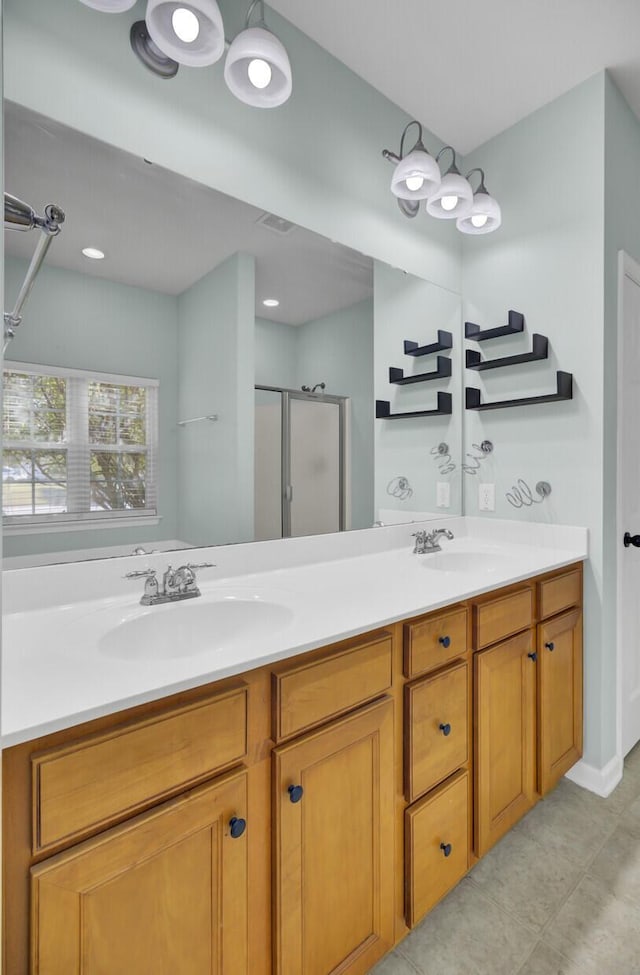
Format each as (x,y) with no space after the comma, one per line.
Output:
(287,773)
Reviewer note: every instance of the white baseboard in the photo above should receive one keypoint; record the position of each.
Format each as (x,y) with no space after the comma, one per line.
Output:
(602,781)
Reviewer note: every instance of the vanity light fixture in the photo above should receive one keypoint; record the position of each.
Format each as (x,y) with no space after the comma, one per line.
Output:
(484,215)
(257,68)
(271,302)
(417,177)
(93,253)
(189,32)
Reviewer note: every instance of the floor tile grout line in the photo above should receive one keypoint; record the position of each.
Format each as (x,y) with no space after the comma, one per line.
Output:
(504,910)
(406,958)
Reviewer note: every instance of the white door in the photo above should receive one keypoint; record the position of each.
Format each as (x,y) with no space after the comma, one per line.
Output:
(629,502)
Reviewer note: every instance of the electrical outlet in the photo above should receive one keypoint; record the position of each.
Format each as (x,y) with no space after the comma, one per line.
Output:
(487,497)
(443,494)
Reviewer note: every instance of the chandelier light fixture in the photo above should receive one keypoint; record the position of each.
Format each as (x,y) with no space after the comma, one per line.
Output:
(191,32)
(417,176)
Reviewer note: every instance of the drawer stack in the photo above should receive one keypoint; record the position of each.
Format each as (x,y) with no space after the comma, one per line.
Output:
(436,757)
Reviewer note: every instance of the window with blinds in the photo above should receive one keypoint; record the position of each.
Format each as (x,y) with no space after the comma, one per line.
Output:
(78,446)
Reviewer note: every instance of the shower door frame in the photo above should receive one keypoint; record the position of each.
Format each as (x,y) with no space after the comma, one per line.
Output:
(342,402)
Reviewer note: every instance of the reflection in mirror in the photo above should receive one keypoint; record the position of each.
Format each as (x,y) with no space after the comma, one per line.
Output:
(138,382)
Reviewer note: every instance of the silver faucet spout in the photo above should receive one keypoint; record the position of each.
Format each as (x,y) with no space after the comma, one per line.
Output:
(177,583)
(428,541)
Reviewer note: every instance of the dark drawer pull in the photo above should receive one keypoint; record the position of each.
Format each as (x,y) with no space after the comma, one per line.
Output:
(445,729)
(446,849)
(550,646)
(533,656)
(237,827)
(296,793)
(445,641)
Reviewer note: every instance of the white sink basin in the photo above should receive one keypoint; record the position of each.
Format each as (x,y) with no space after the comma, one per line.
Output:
(481,563)
(184,629)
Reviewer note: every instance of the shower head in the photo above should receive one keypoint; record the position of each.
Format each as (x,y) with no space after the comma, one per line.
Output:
(19,215)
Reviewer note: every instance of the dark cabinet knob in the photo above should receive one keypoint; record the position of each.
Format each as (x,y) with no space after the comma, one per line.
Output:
(533,656)
(550,646)
(445,729)
(445,641)
(237,827)
(630,539)
(446,849)
(296,793)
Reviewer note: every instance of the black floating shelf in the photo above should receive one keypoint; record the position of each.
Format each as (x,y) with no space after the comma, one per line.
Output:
(564,381)
(383,409)
(445,341)
(398,377)
(540,350)
(515,324)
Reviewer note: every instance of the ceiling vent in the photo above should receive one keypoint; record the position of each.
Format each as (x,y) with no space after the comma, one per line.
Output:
(276,224)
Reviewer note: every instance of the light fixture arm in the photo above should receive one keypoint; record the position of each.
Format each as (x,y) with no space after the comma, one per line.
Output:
(418,143)
(481,187)
(453,167)
(252,7)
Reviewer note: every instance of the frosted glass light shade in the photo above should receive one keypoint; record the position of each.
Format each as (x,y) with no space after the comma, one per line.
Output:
(452,185)
(109,6)
(484,206)
(208,46)
(258,44)
(416,165)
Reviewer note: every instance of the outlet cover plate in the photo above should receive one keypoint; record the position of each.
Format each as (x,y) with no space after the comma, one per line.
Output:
(487,497)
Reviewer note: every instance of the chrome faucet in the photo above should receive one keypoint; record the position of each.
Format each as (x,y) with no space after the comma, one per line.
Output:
(428,541)
(177,583)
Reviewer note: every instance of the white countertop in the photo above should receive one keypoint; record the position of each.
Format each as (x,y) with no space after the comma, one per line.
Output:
(59,619)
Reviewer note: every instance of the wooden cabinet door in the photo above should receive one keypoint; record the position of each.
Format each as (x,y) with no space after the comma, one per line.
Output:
(165,893)
(334,846)
(505,720)
(559,697)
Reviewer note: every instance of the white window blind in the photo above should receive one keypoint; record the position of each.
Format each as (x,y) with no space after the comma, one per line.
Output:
(78,446)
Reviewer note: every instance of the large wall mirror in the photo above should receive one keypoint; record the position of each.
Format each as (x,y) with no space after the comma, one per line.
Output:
(157,397)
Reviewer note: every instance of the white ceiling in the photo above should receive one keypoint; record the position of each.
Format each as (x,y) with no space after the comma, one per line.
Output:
(161,231)
(467,69)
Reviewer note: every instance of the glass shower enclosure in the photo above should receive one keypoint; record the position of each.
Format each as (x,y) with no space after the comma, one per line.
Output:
(301,468)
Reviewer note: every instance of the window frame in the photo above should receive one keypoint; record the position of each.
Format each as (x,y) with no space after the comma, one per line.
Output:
(77,444)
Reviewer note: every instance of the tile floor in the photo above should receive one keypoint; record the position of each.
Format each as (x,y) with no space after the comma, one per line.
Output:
(559,895)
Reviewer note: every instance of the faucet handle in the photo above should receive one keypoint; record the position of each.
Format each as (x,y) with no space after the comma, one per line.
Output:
(139,573)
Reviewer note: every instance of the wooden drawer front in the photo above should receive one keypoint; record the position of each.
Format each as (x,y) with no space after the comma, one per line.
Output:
(434,641)
(435,826)
(559,593)
(498,618)
(309,694)
(436,729)
(82,786)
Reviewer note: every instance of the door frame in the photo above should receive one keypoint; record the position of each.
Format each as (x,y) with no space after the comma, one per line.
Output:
(344,473)
(628,267)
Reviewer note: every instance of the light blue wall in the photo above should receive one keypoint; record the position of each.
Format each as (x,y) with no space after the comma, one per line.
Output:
(408,308)
(316,160)
(85,322)
(547,262)
(338,350)
(216,376)
(276,353)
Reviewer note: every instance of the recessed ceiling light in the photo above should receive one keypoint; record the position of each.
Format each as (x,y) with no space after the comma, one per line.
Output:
(93,253)
(271,302)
